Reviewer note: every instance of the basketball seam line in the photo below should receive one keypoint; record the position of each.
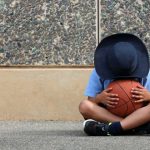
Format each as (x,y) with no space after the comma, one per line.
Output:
(126,94)
(122,104)
(131,100)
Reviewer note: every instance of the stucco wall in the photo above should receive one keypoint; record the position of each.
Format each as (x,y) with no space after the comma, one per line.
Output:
(40,32)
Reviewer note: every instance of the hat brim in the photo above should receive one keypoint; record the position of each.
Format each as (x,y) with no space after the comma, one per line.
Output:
(106,45)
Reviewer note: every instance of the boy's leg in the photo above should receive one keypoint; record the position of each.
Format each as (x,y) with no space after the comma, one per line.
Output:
(137,121)
(137,118)
(90,110)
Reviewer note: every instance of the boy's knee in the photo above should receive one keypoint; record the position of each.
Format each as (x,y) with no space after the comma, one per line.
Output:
(85,107)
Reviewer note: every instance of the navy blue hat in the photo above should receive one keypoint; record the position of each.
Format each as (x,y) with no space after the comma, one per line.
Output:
(121,55)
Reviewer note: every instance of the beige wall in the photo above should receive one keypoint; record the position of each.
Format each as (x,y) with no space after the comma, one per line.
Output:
(41,94)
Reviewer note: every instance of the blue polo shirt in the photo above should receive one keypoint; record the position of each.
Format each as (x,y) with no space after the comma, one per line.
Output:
(95,85)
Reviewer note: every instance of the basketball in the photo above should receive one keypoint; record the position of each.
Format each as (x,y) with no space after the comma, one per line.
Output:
(125,105)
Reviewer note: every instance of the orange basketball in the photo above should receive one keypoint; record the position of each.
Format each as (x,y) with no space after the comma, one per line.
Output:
(125,104)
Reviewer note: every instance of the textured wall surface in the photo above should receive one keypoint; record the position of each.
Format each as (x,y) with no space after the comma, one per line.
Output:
(131,16)
(41,32)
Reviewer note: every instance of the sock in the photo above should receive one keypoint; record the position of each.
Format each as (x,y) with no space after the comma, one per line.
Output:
(115,128)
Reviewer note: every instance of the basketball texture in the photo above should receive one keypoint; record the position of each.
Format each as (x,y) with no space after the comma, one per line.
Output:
(125,105)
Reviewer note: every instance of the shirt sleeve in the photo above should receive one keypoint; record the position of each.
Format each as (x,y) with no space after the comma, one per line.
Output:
(94,86)
(147,82)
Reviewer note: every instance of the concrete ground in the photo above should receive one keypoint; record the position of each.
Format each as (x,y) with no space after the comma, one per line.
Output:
(58,135)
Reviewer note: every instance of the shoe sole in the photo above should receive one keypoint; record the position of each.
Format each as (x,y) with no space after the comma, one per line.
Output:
(87,121)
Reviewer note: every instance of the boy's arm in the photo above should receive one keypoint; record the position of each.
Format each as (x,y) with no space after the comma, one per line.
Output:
(94,100)
(91,98)
(140,93)
(96,94)
(106,98)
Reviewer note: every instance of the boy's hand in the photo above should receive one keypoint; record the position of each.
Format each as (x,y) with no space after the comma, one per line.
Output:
(140,94)
(107,98)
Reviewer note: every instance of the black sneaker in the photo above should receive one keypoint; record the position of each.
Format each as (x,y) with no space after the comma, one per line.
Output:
(95,128)
(143,129)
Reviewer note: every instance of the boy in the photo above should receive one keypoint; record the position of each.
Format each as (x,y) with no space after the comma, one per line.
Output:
(122,56)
